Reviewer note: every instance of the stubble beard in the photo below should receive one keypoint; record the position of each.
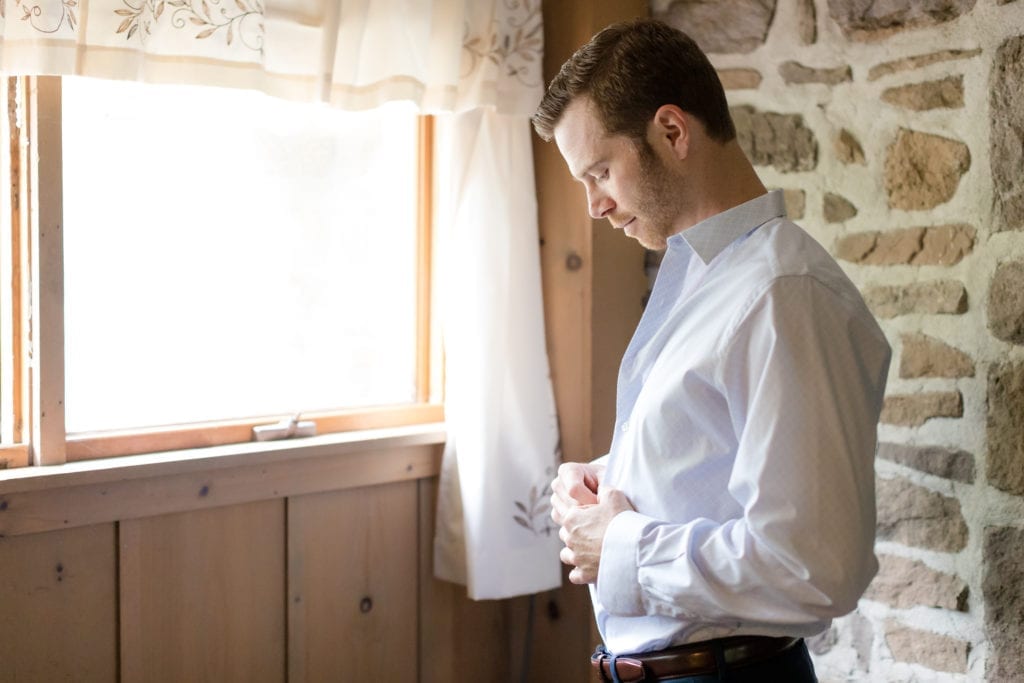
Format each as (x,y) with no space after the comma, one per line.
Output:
(657,199)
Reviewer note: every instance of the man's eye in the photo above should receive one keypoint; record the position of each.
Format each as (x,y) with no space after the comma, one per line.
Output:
(603,175)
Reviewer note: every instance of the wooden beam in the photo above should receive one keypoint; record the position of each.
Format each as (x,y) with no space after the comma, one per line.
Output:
(47,271)
(594,285)
(594,280)
(201,435)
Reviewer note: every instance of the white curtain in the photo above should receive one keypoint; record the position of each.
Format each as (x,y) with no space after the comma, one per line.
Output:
(494,528)
(477,65)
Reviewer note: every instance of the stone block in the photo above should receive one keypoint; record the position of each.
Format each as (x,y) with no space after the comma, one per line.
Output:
(806,22)
(1005,427)
(945,245)
(948,463)
(925,356)
(872,20)
(942,245)
(1003,590)
(923,170)
(916,516)
(739,79)
(837,208)
(722,27)
(919,61)
(857,247)
(931,650)
(779,140)
(913,410)
(1006,303)
(904,583)
(1006,121)
(796,201)
(945,94)
(848,149)
(930,297)
(795,73)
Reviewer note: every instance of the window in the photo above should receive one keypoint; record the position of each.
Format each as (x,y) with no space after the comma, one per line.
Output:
(228,260)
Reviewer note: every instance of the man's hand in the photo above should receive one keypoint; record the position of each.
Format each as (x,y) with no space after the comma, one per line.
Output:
(576,484)
(583,509)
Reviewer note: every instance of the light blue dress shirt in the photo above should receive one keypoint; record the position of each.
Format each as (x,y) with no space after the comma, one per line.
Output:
(747,411)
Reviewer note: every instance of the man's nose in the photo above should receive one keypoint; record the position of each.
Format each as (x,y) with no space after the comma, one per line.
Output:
(600,204)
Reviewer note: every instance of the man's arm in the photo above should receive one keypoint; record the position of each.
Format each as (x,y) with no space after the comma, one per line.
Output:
(803,377)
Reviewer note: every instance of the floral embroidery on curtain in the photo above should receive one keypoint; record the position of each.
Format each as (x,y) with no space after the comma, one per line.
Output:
(49,19)
(207,18)
(515,44)
(444,55)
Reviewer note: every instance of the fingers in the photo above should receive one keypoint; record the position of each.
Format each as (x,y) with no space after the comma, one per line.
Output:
(582,529)
(578,574)
(577,482)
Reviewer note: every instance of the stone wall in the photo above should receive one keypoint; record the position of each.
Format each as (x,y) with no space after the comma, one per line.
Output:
(897,130)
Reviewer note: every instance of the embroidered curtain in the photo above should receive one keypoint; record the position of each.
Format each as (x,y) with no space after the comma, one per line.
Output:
(477,65)
(444,55)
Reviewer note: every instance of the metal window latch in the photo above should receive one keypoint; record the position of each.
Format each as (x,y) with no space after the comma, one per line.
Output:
(285,429)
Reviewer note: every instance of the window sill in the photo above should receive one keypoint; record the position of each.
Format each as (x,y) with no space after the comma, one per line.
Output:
(35,499)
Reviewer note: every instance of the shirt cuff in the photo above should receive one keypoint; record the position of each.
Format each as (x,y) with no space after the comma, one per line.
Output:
(618,583)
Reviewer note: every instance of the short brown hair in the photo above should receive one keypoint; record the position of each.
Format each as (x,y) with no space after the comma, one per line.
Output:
(629,70)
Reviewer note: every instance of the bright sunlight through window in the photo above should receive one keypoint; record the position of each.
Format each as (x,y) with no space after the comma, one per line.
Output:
(229,255)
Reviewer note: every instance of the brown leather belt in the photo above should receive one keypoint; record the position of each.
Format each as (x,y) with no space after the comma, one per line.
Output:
(691,660)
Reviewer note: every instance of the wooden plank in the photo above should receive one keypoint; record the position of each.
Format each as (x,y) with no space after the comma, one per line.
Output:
(10,266)
(619,287)
(352,585)
(203,596)
(202,435)
(13,456)
(591,311)
(424,258)
(58,606)
(47,223)
(459,639)
(35,510)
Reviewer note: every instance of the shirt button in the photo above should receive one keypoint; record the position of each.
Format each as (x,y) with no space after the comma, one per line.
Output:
(624,426)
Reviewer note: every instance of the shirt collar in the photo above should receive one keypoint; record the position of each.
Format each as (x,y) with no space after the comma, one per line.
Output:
(712,235)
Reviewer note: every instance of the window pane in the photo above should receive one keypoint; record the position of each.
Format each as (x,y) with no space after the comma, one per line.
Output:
(230,255)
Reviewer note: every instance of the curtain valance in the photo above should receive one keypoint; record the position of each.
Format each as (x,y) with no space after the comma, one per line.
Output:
(442,55)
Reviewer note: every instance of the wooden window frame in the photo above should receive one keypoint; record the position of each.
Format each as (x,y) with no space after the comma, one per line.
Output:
(36,258)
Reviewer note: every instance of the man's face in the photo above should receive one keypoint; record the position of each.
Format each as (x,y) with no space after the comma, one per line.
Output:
(626,181)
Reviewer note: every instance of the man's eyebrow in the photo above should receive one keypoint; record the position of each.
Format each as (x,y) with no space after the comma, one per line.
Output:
(590,167)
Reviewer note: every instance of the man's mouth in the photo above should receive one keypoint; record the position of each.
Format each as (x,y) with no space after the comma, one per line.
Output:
(623,226)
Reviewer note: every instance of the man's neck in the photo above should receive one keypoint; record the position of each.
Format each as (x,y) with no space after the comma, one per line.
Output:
(727,180)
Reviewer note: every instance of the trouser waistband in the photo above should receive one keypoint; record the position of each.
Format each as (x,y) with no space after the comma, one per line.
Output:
(693,659)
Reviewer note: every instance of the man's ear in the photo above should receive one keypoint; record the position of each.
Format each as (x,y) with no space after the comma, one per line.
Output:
(671,127)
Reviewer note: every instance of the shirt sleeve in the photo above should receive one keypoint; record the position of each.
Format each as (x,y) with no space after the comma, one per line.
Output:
(803,375)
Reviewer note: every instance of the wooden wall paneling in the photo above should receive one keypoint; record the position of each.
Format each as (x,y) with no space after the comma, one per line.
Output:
(58,606)
(208,481)
(459,639)
(593,288)
(562,637)
(352,575)
(203,596)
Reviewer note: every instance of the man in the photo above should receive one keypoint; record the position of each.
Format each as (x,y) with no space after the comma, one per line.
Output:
(734,513)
